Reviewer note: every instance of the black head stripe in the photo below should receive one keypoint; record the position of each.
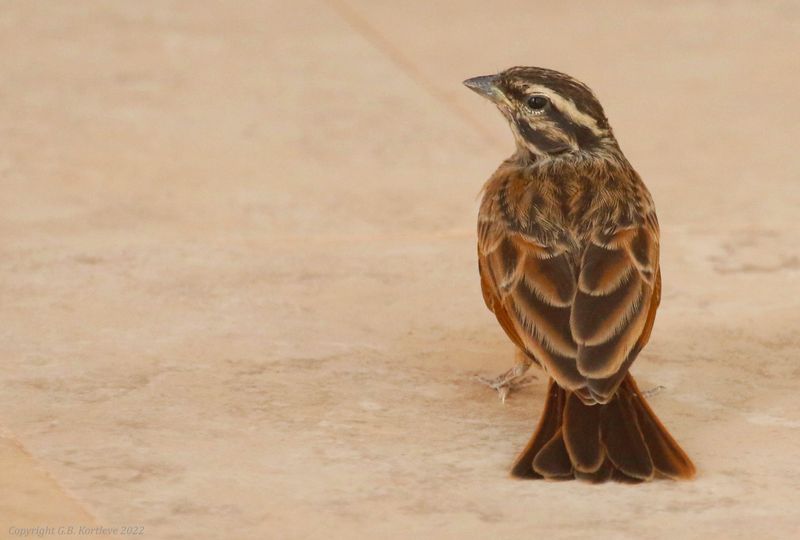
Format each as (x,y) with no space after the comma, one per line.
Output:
(539,139)
(562,84)
(515,93)
(582,135)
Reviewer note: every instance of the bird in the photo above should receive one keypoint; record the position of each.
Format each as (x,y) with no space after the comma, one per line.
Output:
(568,257)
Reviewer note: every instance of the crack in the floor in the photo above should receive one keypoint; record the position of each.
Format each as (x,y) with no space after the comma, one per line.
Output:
(375,38)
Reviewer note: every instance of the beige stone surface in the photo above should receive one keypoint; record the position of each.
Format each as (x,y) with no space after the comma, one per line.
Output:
(32,503)
(238,279)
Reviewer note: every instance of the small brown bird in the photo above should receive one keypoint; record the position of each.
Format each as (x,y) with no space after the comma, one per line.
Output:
(568,247)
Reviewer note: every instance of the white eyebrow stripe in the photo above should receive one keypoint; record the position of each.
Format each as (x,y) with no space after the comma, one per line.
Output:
(567,106)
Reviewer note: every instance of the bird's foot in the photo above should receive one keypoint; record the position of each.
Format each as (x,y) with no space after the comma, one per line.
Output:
(653,391)
(511,380)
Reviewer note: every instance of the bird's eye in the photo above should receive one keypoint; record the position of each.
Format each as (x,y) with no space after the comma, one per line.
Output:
(537,103)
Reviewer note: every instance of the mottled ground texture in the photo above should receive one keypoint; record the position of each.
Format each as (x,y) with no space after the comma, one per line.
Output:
(238,277)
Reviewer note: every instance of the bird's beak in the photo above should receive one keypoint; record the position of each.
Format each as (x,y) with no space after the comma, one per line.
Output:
(486,86)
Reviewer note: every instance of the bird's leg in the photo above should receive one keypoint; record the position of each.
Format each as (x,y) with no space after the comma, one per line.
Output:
(511,379)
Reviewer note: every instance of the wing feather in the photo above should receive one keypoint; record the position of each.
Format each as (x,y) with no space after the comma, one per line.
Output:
(612,306)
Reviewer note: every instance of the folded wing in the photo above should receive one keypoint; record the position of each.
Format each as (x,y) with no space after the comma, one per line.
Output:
(583,316)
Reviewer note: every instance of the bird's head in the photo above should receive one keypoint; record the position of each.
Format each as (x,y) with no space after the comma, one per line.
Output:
(550,113)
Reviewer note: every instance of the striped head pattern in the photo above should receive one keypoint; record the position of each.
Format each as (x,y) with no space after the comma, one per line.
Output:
(550,113)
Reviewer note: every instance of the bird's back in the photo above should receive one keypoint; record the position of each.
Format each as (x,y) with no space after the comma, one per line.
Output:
(558,256)
(562,203)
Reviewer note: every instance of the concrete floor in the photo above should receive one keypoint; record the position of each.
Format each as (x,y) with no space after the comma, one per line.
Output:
(238,277)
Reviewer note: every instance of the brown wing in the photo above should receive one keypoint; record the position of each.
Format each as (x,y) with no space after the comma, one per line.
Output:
(530,288)
(584,319)
(619,288)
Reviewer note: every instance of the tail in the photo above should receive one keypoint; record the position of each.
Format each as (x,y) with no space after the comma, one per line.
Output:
(620,440)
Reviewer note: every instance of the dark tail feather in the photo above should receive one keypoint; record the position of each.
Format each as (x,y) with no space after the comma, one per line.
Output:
(669,459)
(621,440)
(549,425)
